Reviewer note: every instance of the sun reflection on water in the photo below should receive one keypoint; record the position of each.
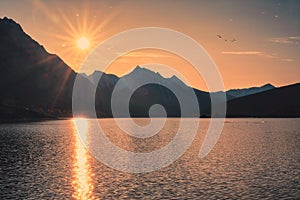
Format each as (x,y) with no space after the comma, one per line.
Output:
(83,177)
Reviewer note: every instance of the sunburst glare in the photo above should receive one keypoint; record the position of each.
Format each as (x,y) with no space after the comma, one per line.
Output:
(83,43)
(79,34)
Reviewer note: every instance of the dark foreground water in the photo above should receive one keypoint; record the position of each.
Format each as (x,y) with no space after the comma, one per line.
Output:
(253,159)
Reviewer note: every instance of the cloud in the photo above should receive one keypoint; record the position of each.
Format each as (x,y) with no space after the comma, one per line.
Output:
(286,40)
(133,56)
(242,52)
(287,59)
(146,55)
(143,55)
(295,37)
(255,53)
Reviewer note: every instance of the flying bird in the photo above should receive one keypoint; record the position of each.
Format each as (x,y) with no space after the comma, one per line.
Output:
(227,40)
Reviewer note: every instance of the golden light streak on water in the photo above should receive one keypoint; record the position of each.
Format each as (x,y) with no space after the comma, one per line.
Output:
(83,177)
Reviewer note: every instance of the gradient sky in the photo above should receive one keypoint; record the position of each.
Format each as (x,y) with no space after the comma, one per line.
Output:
(267,34)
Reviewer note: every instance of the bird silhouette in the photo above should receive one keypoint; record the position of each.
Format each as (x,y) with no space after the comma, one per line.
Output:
(226,40)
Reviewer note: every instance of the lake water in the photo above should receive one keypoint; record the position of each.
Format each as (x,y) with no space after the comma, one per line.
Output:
(253,159)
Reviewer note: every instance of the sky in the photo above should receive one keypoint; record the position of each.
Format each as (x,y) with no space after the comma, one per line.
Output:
(251,42)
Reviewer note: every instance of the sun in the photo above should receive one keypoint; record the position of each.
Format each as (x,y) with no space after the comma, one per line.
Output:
(83,43)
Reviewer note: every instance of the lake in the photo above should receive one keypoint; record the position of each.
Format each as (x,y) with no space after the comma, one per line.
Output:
(253,159)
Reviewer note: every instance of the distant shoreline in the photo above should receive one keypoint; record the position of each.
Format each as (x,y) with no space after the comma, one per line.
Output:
(17,121)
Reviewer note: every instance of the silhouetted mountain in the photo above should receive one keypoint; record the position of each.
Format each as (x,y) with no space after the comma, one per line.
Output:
(160,90)
(235,93)
(30,77)
(140,74)
(13,114)
(278,102)
(35,80)
(37,84)
(147,88)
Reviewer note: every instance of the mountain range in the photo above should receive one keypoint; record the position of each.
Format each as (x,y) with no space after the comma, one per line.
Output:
(236,93)
(37,84)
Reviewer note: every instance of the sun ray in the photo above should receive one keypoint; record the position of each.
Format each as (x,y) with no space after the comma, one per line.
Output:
(86,25)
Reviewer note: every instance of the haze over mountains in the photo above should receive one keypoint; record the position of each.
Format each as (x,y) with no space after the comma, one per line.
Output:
(279,102)
(37,84)
(235,93)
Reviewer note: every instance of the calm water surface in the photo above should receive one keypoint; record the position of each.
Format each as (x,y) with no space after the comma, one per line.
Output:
(253,159)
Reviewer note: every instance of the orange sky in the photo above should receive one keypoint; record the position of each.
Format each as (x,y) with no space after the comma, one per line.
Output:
(267,33)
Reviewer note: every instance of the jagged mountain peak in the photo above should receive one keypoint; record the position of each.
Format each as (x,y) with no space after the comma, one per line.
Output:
(177,80)
(30,76)
(13,36)
(96,73)
(139,69)
(249,91)
(10,23)
(268,85)
(174,77)
(142,73)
